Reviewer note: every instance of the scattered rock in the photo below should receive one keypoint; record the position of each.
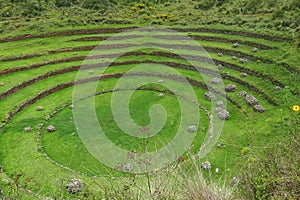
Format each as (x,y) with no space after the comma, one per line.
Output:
(220,104)
(27,129)
(216,81)
(254,50)
(206,165)
(277,88)
(192,129)
(235,45)
(51,129)
(160,81)
(220,54)
(234,58)
(234,181)
(2,84)
(39,108)
(243,60)
(243,75)
(221,145)
(48,117)
(220,66)
(230,88)
(242,94)
(259,108)
(210,96)
(128,167)
(74,186)
(223,114)
(160,95)
(251,100)
(91,71)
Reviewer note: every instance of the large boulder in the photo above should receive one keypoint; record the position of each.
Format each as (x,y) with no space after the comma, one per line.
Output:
(230,88)
(216,81)
(243,75)
(254,50)
(206,165)
(235,45)
(242,94)
(128,167)
(51,129)
(39,108)
(192,129)
(251,100)
(223,114)
(27,129)
(220,104)
(243,60)
(210,96)
(74,186)
(259,108)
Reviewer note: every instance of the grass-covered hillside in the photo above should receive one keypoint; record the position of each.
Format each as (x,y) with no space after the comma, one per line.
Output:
(194,99)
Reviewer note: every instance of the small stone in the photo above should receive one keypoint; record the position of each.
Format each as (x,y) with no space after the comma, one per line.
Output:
(230,88)
(206,165)
(27,129)
(234,181)
(51,129)
(39,108)
(217,170)
(183,41)
(243,60)
(72,106)
(277,88)
(223,114)
(235,45)
(251,100)
(259,108)
(210,96)
(160,81)
(220,66)
(216,81)
(128,167)
(254,50)
(91,71)
(220,54)
(192,129)
(234,58)
(160,95)
(243,75)
(2,84)
(74,186)
(242,94)
(220,104)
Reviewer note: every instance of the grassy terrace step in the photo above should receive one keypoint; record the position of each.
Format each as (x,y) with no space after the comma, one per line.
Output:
(117,30)
(153,60)
(227,51)
(36,43)
(162,55)
(41,87)
(9,65)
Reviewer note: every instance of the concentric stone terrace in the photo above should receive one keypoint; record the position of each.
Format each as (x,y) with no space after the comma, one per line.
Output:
(40,139)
